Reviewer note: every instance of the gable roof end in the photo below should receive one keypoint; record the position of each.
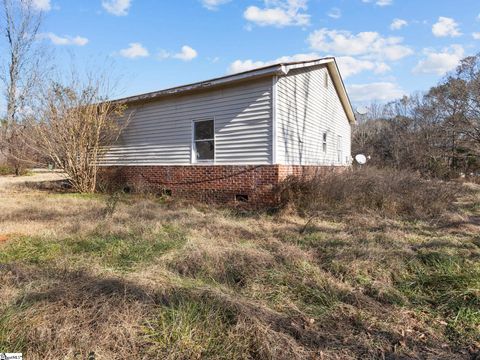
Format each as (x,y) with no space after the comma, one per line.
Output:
(334,71)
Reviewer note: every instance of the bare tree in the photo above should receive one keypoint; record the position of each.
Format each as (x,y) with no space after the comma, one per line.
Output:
(409,135)
(75,127)
(468,87)
(19,24)
(436,134)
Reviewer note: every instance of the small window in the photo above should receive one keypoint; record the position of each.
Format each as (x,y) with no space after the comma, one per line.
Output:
(339,150)
(204,140)
(324,142)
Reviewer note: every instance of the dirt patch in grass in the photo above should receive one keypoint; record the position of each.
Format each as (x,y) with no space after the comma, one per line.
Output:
(4,238)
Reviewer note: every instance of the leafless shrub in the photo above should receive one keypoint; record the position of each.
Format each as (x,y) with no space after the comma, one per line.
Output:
(111,203)
(76,126)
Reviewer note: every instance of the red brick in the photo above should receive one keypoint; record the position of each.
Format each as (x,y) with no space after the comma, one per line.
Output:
(212,183)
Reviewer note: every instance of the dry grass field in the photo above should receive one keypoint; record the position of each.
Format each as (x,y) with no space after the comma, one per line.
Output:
(140,277)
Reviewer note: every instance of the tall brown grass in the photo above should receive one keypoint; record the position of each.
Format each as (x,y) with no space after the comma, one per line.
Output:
(390,193)
(176,280)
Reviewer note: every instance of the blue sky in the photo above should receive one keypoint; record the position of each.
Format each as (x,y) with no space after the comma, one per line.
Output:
(385,48)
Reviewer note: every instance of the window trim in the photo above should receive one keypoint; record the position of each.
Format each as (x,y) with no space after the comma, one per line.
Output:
(193,148)
(340,149)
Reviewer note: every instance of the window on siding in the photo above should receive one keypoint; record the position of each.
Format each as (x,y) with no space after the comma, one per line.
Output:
(326,79)
(339,150)
(204,140)
(324,142)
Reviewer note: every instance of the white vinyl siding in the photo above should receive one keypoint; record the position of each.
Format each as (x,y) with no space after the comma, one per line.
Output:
(160,132)
(307,108)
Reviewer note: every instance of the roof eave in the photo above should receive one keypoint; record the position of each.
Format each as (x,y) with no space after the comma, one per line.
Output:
(343,94)
(276,69)
(272,70)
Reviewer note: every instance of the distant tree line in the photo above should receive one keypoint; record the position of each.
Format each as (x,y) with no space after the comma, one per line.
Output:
(436,134)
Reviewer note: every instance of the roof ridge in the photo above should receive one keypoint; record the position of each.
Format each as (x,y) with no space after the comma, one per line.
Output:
(196,85)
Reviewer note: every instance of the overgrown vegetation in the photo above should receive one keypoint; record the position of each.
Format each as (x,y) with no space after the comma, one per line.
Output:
(174,280)
(451,286)
(387,192)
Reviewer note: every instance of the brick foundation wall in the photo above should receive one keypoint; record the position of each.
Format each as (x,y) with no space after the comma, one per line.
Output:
(214,184)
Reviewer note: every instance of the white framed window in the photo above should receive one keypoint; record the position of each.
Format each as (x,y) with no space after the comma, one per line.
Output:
(324,142)
(203,142)
(339,150)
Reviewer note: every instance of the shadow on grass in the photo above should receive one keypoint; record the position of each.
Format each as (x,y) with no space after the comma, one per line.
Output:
(59,310)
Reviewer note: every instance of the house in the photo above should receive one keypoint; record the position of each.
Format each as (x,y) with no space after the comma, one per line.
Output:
(236,137)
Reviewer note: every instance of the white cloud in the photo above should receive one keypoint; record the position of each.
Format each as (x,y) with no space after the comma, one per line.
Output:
(42,5)
(397,24)
(446,27)
(348,65)
(117,7)
(351,66)
(335,13)
(279,13)
(381,68)
(245,65)
(369,44)
(378,91)
(380,2)
(187,53)
(384,2)
(440,62)
(135,50)
(476,35)
(64,40)
(213,4)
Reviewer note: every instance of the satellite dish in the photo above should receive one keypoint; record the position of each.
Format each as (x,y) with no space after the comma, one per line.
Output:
(361,159)
(362,110)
